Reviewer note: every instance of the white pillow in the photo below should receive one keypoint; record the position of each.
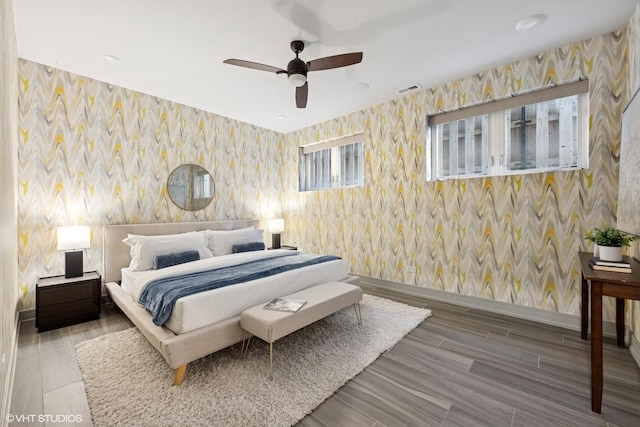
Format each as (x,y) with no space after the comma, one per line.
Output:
(221,242)
(145,248)
(210,235)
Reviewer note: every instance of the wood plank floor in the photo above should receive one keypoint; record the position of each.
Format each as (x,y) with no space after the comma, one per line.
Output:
(462,367)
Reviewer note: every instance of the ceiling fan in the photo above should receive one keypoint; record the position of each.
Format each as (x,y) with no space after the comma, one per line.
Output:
(297,69)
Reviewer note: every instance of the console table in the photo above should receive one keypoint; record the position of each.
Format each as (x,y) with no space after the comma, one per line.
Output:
(604,283)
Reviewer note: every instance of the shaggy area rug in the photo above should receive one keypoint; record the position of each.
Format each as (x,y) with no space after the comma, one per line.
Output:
(128,382)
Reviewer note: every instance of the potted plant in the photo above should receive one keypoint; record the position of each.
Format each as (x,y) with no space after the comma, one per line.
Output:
(609,242)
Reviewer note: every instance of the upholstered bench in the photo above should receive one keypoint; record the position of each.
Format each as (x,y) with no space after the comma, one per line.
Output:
(321,301)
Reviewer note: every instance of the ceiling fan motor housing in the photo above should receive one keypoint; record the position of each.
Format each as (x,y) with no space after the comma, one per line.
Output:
(297,66)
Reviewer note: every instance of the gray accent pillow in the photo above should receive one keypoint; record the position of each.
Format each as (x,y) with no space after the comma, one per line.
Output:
(247,247)
(167,260)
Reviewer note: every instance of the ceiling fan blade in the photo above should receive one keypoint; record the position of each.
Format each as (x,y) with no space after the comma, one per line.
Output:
(302,93)
(254,65)
(335,61)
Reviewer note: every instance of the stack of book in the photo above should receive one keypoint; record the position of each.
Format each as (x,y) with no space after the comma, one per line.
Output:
(616,267)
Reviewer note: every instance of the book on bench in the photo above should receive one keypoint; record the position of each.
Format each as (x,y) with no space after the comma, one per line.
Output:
(285,304)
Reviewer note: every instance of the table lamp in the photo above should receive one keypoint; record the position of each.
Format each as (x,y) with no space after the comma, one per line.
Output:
(275,227)
(72,240)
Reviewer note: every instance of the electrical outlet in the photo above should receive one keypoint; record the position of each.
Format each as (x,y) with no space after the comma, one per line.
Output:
(411,269)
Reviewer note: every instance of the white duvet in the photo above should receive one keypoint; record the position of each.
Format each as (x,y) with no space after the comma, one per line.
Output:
(198,310)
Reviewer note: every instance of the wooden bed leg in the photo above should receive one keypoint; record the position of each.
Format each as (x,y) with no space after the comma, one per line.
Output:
(179,375)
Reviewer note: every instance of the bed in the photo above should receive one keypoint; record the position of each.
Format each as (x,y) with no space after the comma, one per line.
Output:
(194,328)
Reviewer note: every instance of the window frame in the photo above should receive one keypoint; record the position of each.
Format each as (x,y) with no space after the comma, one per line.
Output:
(333,149)
(497,149)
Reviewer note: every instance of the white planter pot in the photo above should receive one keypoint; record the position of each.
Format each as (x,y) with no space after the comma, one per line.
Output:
(609,253)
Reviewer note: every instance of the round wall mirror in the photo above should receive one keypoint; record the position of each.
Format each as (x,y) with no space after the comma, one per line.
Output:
(190,187)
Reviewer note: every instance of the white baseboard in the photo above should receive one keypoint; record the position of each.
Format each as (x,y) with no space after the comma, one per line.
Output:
(11,369)
(27,314)
(554,318)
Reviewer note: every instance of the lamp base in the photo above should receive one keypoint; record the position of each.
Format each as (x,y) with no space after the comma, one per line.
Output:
(73,264)
(275,241)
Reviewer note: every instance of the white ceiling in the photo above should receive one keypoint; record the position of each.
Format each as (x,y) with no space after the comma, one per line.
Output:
(174,49)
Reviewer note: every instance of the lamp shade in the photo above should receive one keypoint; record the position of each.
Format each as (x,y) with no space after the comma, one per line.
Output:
(276,225)
(73,237)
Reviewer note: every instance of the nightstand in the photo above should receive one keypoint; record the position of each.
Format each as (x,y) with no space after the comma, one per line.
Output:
(290,248)
(63,302)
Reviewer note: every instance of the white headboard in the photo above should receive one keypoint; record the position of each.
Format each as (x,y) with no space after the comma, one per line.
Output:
(117,253)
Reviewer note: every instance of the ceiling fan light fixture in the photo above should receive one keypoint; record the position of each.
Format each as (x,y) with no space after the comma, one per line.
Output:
(297,79)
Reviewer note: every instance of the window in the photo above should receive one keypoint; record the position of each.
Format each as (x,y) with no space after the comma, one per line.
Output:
(317,167)
(543,135)
(535,132)
(462,146)
(351,165)
(336,163)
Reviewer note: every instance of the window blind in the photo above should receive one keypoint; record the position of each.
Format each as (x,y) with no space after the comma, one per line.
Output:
(575,88)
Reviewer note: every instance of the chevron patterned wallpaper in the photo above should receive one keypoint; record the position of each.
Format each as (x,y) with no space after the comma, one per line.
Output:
(511,239)
(95,154)
(633,314)
(91,153)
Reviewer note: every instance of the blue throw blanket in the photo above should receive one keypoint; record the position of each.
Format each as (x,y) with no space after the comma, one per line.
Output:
(160,296)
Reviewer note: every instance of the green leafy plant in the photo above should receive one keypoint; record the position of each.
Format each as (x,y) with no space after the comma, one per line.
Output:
(610,236)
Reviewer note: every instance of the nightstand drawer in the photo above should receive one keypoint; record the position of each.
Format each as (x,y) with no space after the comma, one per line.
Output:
(66,293)
(68,310)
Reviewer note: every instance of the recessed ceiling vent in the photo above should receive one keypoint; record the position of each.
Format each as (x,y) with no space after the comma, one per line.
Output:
(409,88)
